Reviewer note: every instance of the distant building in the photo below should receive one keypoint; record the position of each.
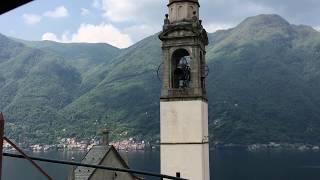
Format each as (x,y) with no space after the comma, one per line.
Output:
(104,155)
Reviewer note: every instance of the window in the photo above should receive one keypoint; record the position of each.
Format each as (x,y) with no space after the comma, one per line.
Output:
(180,11)
(181,69)
(190,12)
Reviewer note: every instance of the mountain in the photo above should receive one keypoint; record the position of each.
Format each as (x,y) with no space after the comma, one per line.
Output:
(37,81)
(127,96)
(263,86)
(264,82)
(85,57)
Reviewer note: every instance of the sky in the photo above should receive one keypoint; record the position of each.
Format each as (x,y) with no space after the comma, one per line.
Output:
(122,23)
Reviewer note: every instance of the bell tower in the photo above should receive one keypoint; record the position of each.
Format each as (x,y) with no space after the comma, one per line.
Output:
(183,102)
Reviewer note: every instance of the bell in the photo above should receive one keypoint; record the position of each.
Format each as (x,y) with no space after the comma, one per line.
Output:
(180,66)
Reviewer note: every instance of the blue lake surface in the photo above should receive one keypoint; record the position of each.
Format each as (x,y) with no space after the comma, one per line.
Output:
(226,164)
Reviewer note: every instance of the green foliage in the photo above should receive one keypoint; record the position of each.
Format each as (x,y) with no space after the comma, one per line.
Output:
(263,86)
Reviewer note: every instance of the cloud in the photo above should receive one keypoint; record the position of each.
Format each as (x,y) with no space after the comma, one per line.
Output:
(120,10)
(129,10)
(96,3)
(89,33)
(138,32)
(137,20)
(213,27)
(31,19)
(85,12)
(49,37)
(59,12)
(103,33)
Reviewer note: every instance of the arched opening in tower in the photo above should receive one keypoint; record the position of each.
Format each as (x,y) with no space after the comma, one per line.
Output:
(181,69)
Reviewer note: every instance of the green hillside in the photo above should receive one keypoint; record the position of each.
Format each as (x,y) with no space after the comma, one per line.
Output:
(37,81)
(263,86)
(127,98)
(83,56)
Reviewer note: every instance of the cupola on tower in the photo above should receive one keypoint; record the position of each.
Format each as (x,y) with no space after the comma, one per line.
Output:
(183,102)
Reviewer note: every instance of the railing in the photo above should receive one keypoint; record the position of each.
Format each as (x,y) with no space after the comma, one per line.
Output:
(95,166)
(71,163)
(27,158)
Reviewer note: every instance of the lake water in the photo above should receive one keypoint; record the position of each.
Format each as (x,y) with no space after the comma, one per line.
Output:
(226,164)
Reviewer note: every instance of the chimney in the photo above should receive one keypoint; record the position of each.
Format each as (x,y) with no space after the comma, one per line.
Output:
(105,137)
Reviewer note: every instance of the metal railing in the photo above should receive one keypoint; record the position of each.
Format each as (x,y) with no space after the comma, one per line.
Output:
(162,176)
(27,158)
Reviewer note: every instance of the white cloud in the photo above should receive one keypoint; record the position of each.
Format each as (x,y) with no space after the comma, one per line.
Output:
(50,37)
(137,20)
(103,33)
(213,27)
(131,11)
(89,33)
(12,32)
(120,10)
(85,12)
(59,12)
(65,37)
(96,3)
(254,8)
(31,19)
(138,32)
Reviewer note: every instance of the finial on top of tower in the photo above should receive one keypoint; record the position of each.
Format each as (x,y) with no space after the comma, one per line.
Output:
(171,1)
(166,20)
(174,1)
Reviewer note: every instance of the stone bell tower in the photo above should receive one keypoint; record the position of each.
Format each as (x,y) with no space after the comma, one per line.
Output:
(183,102)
